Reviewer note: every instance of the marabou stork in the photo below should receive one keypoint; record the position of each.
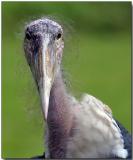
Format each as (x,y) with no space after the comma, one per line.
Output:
(75,129)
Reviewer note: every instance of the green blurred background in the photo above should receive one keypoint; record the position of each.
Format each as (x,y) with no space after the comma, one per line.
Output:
(97,60)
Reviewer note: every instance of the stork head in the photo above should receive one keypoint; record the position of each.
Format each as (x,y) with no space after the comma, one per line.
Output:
(43,45)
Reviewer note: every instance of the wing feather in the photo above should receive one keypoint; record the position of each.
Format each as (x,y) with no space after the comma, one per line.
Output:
(97,133)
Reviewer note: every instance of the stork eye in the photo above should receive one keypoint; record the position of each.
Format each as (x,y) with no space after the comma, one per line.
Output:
(28,36)
(58,36)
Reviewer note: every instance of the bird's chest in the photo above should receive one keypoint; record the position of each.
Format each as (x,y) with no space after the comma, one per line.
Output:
(92,138)
(88,144)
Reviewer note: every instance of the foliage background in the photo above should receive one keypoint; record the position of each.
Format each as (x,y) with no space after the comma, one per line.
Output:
(97,57)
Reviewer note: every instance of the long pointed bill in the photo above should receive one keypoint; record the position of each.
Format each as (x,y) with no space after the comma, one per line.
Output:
(48,63)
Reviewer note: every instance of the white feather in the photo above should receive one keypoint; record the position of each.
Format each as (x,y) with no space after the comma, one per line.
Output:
(96,132)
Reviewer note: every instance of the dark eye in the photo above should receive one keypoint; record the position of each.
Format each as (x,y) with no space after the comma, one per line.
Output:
(58,36)
(28,36)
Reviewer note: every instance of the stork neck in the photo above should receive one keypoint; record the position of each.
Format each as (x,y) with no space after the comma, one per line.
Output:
(59,119)
(59,108)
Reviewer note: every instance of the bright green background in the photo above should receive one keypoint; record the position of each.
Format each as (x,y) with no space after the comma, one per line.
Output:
(97,60)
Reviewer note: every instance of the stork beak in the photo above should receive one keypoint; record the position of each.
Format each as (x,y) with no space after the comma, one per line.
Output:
(48,62)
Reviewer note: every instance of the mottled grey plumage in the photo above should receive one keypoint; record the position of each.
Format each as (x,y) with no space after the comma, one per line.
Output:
(75,129)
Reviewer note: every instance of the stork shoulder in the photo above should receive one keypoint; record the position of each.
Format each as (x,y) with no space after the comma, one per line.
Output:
(89,100)
(96,132)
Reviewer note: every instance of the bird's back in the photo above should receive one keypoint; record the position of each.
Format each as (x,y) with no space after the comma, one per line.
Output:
(96,134)
(127,139)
